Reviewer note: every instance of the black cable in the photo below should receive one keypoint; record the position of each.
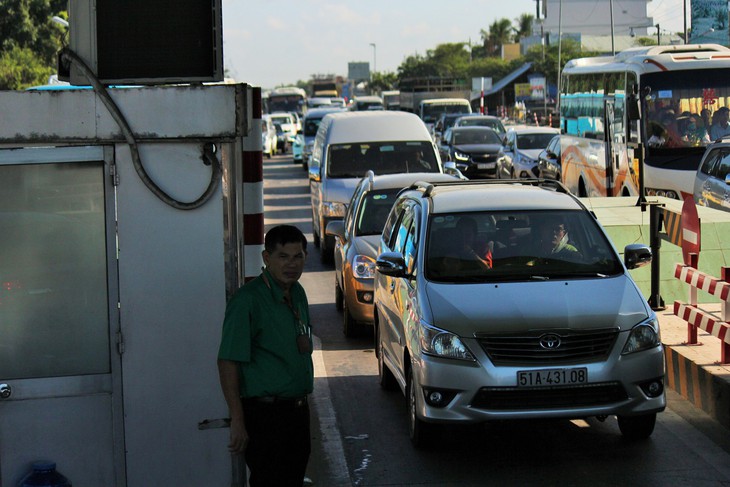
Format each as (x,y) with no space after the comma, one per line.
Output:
(208,154)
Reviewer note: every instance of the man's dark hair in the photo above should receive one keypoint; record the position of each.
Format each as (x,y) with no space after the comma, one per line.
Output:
(282,235)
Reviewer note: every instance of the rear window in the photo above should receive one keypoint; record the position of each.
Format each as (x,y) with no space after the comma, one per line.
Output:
(354,160)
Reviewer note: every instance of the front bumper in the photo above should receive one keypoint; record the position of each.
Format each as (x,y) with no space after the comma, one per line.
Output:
(484,392)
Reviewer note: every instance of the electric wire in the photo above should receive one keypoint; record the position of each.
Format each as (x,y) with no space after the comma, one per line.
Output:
(208,153)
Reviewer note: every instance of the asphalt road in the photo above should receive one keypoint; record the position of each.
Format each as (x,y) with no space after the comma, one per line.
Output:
(360,434)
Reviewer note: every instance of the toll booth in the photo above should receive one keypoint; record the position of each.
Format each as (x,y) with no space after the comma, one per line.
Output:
(121,236)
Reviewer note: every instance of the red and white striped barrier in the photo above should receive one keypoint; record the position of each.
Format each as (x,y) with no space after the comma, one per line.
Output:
(253,193)
(698,319)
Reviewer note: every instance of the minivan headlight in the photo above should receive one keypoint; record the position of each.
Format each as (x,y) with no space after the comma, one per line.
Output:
(363,267)
(442,343)
(643,336)
(334,209)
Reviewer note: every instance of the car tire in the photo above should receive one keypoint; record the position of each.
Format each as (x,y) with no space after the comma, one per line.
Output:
(326,253)
(637,427)
(419,431)
(386,379)
(315,237)
(339,297)
(349,325)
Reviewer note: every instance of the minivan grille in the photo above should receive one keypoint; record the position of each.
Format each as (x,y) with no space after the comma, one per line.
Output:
(518,398)
(548,346)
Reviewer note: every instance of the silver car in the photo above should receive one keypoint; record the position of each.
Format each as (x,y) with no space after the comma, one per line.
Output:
(518,158)
(508,301)
(712,182)
(357,238)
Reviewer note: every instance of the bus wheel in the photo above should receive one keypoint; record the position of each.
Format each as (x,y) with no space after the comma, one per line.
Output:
(582,193)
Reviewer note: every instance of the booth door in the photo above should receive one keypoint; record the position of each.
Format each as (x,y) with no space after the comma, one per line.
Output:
(58,316)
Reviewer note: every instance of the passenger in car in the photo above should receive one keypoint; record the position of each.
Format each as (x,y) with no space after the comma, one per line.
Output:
(554,240)
(469,249)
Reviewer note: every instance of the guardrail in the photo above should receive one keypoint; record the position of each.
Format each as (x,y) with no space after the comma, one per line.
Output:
(699,319)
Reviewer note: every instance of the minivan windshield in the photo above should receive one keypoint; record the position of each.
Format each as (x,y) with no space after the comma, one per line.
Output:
(517,246)
(354,160)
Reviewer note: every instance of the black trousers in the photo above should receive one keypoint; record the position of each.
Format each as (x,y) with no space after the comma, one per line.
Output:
(279,442)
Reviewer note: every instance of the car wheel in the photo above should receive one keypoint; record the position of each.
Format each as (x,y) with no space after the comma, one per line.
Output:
(637,427)
(315,237)
(385,376)
(418,430)
(349,324)
(326,253)
(339,298)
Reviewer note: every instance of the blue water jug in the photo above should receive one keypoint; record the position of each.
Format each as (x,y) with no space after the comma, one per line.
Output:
(44,474)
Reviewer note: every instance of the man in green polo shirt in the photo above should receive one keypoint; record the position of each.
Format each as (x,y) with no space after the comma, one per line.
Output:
(265,365)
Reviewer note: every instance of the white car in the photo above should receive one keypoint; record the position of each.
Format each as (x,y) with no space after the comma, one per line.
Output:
(521,148)
(289,128)
(268,136)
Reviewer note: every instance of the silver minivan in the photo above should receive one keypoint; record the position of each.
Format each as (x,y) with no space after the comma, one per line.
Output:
(347,145)
(712,182)
(506,300)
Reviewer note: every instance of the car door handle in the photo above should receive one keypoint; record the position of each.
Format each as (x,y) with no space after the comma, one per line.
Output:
(392,287)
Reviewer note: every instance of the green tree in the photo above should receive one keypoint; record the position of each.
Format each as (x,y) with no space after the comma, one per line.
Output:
(646,41)
(416,66)
(382,81)
(523,27)
(29,41)
(497,36)
(548,64)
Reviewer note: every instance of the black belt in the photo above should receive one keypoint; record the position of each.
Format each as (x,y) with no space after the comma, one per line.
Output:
(295,402)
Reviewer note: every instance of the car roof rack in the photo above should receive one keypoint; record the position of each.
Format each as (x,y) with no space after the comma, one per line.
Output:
(371,176)
(553,184)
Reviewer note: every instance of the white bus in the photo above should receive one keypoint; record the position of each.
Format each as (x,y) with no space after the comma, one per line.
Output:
(430,110)
(656,101)
(286,99)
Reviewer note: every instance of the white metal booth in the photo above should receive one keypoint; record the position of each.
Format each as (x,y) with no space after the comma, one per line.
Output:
(111,299)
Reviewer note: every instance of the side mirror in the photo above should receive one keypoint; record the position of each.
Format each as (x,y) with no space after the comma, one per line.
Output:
(391,264)
(636,255)
(336,228)
(451,169)
(727,179)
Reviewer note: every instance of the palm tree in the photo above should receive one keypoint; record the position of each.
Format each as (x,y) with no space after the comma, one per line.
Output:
(523,27)
(497,36)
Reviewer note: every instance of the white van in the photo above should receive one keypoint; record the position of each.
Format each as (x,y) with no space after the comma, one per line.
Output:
(430,110)
(347,145)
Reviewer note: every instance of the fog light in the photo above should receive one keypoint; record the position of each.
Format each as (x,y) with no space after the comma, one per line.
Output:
(438,397)
(365,296)
(653,388)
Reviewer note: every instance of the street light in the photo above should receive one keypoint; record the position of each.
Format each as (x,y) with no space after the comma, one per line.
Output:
(374,65)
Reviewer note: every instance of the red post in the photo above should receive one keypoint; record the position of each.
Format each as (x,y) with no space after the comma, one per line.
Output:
(692,329)
(724,346)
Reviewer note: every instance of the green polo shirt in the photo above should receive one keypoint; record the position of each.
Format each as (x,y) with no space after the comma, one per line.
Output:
(260,333)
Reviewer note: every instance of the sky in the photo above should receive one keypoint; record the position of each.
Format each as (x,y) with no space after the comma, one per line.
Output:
(273,43)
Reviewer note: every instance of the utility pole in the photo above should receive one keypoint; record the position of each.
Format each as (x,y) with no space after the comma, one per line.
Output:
(658,35)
